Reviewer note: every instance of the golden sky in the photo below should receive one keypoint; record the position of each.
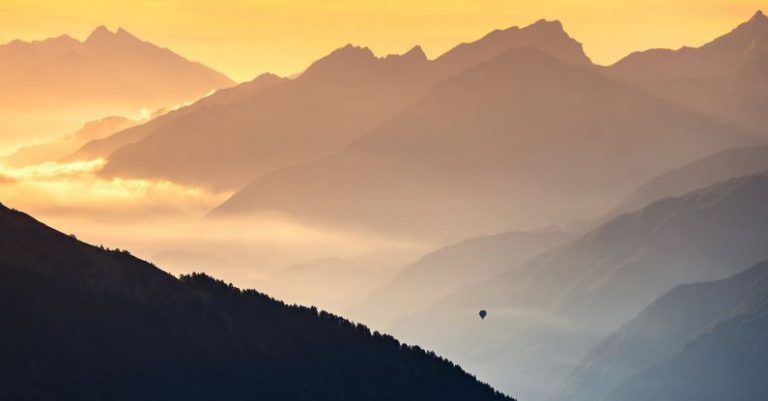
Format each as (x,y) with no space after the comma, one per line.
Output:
(245,38)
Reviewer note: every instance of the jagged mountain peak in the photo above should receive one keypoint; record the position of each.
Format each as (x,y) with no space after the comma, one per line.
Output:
(758,18)
(99,32)
(547,36)
(357,59)
(554,25)
(101,36)
(416,52)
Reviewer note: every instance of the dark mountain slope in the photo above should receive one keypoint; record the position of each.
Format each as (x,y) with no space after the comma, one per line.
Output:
(522,140)
(664,329)
(80,322)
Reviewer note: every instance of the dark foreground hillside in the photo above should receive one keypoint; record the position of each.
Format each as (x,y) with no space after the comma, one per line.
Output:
(83,323)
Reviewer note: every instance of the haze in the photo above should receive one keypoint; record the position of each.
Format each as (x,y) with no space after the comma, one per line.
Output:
(592,176)
(245,38)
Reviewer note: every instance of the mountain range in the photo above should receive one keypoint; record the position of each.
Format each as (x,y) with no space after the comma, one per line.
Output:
(50,87)
(114,67)
(546,314)
(724,78)
(499,145)
(335,101)
(529,128)
(656,165)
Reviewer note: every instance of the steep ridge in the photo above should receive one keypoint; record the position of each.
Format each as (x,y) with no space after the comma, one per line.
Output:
(664,330)
(102,148)
(520,141)
(725,77)
(115,327)
(50,88)
(58,149)
(546,36)
(339,96)
(728,363)
(710,170)
(114,67)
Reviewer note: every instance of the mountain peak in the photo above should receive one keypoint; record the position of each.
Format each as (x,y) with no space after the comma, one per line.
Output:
(547,36)
(100,32)
(757,24)
(103,35)
(414,55)
(416,52)
(341,59)
(554,25)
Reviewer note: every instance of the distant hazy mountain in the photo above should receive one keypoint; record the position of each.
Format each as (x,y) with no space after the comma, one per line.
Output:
(114,67)
(81,322)
(338,99)
(348,92)
(58,149)
(103,147)
(547,36)
(545,315)
(50,88)
(710,170)
(726,78)
(521,140)
(680,335)
(448,269)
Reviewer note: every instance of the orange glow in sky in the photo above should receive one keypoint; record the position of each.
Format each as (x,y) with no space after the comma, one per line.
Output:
(244,38)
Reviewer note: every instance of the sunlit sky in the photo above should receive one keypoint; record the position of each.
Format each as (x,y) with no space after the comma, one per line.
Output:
(245,38)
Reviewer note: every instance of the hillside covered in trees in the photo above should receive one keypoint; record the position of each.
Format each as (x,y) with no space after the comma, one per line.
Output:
(87,323)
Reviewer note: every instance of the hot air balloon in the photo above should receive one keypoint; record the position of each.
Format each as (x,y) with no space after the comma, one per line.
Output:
(483,313)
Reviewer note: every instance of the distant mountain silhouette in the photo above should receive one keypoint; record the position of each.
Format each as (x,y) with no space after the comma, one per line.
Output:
(49,88)
(701,173)
(81,322)
(547,36)
(335,101)
(521,140)
(725,78)
(680,335)
(340,96)
(58,149)
(450,268)
(114,67)
(549,312)
(102,148)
